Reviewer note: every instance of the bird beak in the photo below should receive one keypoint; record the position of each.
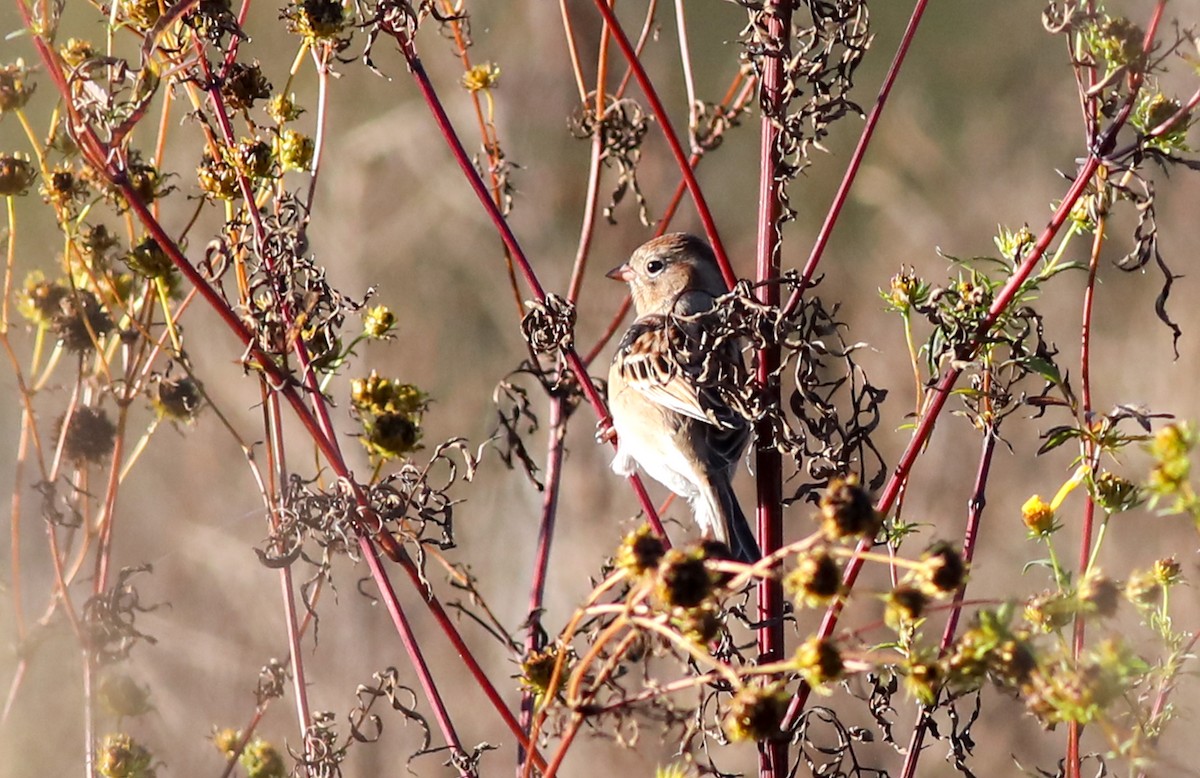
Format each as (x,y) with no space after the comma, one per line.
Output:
(621,273)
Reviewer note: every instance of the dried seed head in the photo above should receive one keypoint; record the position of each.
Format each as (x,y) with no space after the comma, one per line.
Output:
(294,150)
(941,571)
(479,77)
(378,322)
(640,552)
(846,510)
(62,189)
(700,625)
(1100,595)
(392,435)
(262,760)
(177,399)
(15,87)
(75,51)
(252,158)
(95,243)
(1115,494)
(819,660)
(1119,41)
(148,260)
(89,436)
(923,681)
(226,741)
(217,178)
(816,580)
(1049,611)
(124,697)
(1167,571)
(683,578)
(537,669)
(316,19)
(904,605)
(79,318)
(756,713)
(283,109)
(16,174)
(245,84)
(120,756)
(41,300)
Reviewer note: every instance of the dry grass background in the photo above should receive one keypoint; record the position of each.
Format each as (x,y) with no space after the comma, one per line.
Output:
(983,115)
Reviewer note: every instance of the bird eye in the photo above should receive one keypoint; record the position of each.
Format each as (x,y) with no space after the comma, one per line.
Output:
(655,266)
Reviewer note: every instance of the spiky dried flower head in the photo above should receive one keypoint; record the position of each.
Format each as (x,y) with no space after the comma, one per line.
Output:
(819,660)
(252,157)
(1116,494)
(81,321)
(316,19)
(757,712)
(1098,594)
(482,76)
(846,510)
(941,570)
(76,50)
(283,109)
(816,579)
(122,696)
(148,260)
(244,85)
(294,150)
(16,174)
(904,605)
(177,399)
(378,322)
(640,552)
(217,178)
(41,300)
(120,756)
(15,87)
(684,580)
(537,669)
(226,741)
(262,760)
(63,189)
(89,435)
(701,624)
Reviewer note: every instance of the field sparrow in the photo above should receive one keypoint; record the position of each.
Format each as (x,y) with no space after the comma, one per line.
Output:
(681,434)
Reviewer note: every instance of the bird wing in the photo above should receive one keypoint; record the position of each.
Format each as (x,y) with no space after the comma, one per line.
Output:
(646,365)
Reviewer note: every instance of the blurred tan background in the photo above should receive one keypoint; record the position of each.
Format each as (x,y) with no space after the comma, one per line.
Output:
(983,115)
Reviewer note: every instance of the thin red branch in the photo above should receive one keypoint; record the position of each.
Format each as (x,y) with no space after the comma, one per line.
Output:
(970,535)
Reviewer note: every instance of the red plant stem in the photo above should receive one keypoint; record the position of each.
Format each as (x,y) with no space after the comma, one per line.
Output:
(772,753)
(534,640)
(974,514)
(664,120)
(860,150)
(409,639)
(570,356)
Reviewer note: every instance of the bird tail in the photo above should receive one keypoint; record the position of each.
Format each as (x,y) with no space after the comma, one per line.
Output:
(741,537)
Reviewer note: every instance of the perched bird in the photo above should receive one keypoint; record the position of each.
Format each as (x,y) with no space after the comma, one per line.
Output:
(678,432)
